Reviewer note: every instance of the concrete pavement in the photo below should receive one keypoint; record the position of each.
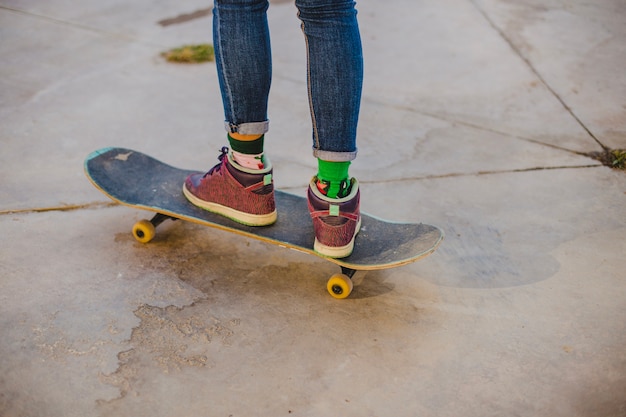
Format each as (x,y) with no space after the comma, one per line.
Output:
(477,116)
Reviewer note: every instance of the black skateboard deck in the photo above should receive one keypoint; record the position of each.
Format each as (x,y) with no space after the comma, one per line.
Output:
(138,180)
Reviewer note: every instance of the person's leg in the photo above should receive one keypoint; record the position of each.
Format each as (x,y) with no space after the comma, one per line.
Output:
(241,185)
(335,78)
(244,66)
(335,75)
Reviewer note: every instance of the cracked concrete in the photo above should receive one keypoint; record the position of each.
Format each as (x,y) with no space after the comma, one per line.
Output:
(477,116)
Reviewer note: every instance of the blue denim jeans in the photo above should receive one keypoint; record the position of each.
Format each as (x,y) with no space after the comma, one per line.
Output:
(334,69)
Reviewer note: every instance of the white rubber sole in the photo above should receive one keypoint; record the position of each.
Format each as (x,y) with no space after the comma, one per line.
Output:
(337,251)
(235,215)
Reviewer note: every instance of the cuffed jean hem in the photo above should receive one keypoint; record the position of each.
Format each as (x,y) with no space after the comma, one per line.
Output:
(334,156)
(254,128)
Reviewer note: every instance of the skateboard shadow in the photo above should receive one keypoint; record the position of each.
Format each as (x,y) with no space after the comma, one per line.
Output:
(485,257)
(370,284)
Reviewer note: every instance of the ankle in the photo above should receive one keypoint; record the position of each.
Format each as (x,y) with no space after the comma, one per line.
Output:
(255,162)
(345,189)
(332,178)
(247,150)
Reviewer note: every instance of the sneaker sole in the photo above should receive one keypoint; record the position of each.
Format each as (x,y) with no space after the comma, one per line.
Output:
(337,251)
(239,216)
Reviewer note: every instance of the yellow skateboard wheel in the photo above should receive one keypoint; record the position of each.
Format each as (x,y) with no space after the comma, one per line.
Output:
(339,286)
(144,231)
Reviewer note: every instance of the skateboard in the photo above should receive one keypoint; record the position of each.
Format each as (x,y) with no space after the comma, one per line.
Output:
(140,181)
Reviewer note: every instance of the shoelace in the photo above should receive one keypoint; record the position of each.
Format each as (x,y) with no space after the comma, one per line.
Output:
(216,168)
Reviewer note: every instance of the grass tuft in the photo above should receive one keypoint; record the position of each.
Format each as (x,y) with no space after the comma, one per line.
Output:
(618,158)
(190,54)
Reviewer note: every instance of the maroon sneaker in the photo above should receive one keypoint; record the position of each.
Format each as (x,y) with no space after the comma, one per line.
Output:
(243,195)
(336,220)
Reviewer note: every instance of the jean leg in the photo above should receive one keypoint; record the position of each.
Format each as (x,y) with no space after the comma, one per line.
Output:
(244,64)
(335,75)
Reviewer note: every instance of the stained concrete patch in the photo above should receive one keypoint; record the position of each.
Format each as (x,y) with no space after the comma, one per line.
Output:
(73,307)
(168,339)
(186,17)
(300,363)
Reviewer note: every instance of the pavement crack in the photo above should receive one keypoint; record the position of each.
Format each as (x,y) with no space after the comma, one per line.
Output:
(108,34)
(57,21)
(454,121)
(64,207)
(471,174)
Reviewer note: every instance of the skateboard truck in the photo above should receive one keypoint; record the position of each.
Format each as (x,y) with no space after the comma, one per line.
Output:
(348,271)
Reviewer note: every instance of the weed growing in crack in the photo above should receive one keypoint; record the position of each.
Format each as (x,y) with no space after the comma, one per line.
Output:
(618,158)
(613,158)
